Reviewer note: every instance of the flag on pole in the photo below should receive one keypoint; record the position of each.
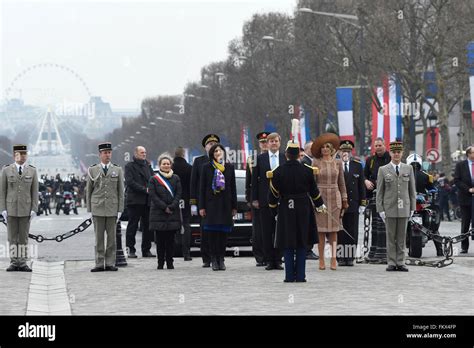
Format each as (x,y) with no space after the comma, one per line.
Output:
(345,114)
(387,111)
(302,116)
(470,64)
(246,145)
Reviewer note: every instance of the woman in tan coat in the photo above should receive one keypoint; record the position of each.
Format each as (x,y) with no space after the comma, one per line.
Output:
(330,180)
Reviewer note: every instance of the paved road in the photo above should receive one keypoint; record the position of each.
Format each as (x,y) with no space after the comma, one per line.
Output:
(243,288)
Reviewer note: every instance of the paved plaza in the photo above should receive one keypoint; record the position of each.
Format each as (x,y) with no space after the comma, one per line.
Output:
(61,283)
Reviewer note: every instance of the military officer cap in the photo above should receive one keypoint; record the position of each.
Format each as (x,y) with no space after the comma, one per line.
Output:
(210,137)
(105,146)
(346,145)
(293,148)
(396,145)
(20,148)
(262,136)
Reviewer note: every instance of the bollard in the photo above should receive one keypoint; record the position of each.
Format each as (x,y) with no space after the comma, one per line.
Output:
(120,260)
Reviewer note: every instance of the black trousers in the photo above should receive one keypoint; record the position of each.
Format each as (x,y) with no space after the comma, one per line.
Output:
(257,240)
(165,246)
(466,214)
(347,239)
(137,213)
(205,247)
(272,255)
(186,237)
(217,243)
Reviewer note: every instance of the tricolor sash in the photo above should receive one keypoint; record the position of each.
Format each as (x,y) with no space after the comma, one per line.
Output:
(164,182)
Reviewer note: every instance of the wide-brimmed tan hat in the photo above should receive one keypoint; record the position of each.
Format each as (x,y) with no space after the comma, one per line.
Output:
(323,139)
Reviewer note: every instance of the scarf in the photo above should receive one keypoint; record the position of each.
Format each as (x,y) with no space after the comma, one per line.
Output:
(218,181)
(167,175)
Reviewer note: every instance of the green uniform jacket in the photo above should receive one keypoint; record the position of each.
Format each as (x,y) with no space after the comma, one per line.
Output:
(19,194)
(105,193)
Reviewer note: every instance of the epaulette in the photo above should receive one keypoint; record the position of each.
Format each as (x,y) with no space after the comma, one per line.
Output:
(355,160)
(314,169)
(430,177)
(93,165)
(115,164)
(29,165)
(269,174)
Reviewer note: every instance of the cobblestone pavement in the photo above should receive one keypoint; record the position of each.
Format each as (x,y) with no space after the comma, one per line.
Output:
(244,289)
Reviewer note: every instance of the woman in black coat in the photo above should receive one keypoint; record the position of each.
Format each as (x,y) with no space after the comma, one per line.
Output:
(217,203)
(164,189)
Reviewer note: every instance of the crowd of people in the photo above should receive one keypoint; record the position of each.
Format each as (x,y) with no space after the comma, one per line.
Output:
(299,197)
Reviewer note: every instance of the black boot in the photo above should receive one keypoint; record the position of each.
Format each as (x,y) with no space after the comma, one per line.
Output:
(215,264)
(161,264)
(169,264)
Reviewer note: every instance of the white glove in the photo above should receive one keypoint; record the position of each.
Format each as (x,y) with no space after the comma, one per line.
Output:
(361,209)
(32,215)
(411,213)
(5,215)
(194,209)
(382,215)
(322,209)
(119,214)
(88,216)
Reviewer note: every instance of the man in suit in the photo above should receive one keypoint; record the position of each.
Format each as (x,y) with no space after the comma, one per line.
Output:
(355,187)
(464,181)
(137,174)
(257,240)
(105,191)
(396,202)
(207,142)
(260,189)
(183,169)
(19,204)
(381,157)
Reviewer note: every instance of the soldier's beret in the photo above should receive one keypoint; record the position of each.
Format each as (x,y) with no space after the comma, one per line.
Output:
(20,148)
(346,145)
(262,136)
(396,145)
(210,137)
(105,146)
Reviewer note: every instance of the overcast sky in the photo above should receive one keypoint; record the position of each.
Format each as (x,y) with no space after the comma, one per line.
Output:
(123,50)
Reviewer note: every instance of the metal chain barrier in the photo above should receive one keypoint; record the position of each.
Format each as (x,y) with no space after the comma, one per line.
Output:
(60,237)
(446,242)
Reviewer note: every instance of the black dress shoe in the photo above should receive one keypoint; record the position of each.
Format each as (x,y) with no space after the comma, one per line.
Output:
(300,280)
(132,256)
(24,268)
(278,267)
(342,263)
(350,263)
(269,267)
(215,265)
(288,281)
(439,253)
(111,268)
(222,265)
(402,268)
(12,268)
(463,251)
(391,268)
(260,264)
(160,266)
(169,265)
(206,264)
(188,258)
(98,269)
(147,254)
